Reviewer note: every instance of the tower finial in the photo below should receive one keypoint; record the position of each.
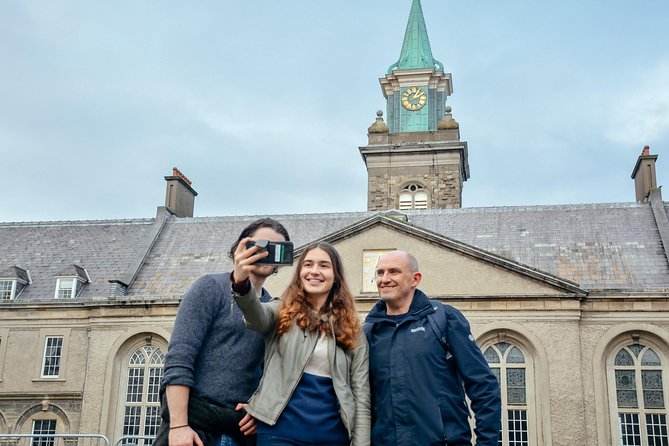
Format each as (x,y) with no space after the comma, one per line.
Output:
(416,51)
(378,126)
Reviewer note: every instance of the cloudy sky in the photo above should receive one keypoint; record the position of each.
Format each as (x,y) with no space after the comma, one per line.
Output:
(263,104)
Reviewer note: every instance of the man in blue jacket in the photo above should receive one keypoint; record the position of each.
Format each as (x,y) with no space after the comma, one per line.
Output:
(419,379)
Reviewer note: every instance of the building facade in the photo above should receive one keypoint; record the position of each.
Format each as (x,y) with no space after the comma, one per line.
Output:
(569,303)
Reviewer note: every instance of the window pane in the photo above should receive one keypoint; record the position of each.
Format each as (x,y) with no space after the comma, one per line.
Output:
(650,358)
(6,289)
(515,377)
(517,424)
(656,426)
(52,352)
(502,346)
(46,427)
(624,358)
(131,420)
(515,387)
(636,349)
(405,201)
(65,288)
(491,356)
(515,356)
(653,395)
(155,374)
(158,357)
(653,399)
(626,388)
(152,423)
(629,429)
(137,358)
(420,200)
(135,385)
(651,379)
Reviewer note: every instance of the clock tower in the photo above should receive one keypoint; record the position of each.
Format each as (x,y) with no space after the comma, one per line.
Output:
(416,160)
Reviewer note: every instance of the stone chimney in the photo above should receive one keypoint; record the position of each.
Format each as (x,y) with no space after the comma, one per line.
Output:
(179,196)
(644,174)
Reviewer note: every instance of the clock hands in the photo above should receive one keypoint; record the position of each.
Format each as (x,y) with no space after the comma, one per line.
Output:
(418,94)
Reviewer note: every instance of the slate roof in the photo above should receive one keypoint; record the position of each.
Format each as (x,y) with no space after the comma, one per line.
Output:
(599,246)
(103,248)
(188,248)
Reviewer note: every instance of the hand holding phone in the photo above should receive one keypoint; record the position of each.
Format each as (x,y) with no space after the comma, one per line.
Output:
(279,253)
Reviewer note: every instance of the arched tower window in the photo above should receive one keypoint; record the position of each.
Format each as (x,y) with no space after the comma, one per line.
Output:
(413,196)
(636,389)
(508,363)
(141,408)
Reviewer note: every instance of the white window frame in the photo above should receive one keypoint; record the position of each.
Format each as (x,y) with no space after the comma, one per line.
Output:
(12,290)
(59,358)
(641,411)
(528,408)
(407,197)
(42,441)
(139,398)
(59,287)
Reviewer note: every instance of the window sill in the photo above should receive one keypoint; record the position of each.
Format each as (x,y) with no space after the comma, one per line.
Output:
(49,380)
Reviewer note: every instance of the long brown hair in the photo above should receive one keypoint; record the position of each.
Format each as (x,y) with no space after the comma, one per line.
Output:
(339,306)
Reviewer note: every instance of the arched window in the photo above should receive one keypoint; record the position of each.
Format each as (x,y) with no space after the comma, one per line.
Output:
(636,389)
(413,196)
(508,363)
(141,408)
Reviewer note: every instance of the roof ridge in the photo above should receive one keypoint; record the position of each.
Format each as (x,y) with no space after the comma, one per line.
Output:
(76,222)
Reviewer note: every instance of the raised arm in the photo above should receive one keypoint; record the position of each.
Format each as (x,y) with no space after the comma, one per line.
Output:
(258,316)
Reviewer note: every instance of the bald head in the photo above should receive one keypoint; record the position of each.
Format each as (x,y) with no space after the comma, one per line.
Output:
(397,277)
(409,261)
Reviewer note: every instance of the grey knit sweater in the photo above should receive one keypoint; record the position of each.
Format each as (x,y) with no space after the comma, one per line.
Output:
(210,350)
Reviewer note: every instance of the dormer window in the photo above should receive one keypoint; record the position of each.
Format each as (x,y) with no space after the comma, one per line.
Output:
(7,289)
(413,196)
(70,282)
(66,288)
(12,282)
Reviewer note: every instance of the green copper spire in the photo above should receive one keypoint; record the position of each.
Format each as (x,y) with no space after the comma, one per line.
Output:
(416,51)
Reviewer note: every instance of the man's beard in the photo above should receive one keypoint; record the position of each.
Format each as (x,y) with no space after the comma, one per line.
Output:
(264,271)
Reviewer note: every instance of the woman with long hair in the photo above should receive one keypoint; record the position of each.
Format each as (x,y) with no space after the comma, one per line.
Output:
(315,387)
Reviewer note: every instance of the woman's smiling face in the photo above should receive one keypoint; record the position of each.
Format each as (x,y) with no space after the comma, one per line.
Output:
(317,273)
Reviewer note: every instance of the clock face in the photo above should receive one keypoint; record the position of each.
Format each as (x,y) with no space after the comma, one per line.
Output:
(414,98)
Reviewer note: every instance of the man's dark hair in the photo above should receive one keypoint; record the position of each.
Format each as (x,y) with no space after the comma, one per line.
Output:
(253,227)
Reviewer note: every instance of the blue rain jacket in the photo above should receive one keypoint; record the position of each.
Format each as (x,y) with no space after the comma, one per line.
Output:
(418,384)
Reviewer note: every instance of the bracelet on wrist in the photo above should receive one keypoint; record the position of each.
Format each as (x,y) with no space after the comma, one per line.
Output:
(178,427)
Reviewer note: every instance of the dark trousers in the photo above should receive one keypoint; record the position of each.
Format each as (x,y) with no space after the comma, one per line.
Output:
(273,440)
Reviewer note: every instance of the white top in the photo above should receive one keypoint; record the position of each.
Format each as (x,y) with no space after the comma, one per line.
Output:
(318,363)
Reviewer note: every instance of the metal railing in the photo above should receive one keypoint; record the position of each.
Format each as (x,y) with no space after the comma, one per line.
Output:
(53,440)
(72,440)
(139,440)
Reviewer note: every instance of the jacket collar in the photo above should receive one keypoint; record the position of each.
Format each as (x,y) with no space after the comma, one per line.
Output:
(420,306)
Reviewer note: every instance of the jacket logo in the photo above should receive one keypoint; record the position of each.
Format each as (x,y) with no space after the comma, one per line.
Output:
(417,329)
